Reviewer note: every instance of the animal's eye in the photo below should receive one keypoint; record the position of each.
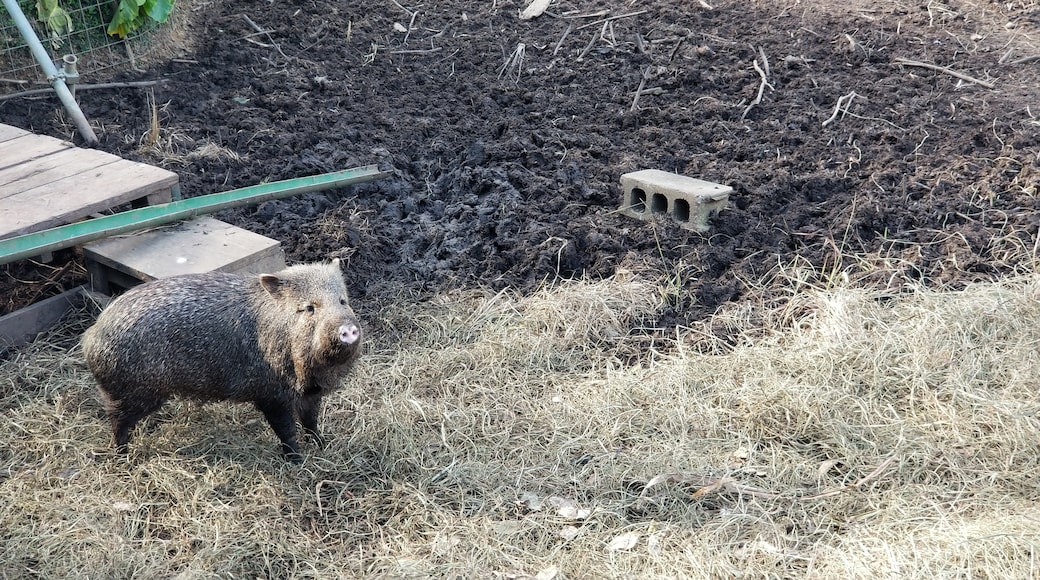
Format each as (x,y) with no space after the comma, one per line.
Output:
(343,301)
(309,308)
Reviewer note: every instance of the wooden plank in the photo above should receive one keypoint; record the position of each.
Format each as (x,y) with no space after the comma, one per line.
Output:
(22,326)
(50,169)
(202,244)
(75,197)
(9,132)
(28,147)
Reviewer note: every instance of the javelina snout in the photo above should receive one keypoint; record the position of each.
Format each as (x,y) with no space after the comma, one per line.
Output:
(349,333)
(281,341)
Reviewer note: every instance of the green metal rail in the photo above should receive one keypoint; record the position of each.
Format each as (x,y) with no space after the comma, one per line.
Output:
(39,243)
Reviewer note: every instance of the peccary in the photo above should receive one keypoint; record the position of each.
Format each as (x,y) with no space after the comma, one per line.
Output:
(281,341)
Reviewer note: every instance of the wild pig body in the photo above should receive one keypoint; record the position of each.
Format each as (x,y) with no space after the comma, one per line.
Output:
(281,341)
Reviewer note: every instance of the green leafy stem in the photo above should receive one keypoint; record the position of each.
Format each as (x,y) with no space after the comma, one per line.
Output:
(133,14)
(130,15)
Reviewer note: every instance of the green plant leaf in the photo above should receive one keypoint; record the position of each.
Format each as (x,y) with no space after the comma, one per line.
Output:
(133,14)
(56,18)
(158,10)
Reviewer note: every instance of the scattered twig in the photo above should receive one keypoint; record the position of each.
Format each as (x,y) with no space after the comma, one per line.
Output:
(639,89)
(83,87)
(267,33)
(51,281)
(675,49)
(731,485)
(708,484)
(1025,59)
(254,25)
(562,38)
(608,27)
(14,81)
(417,51)
(256,42)
(588,47)
(612,18)
(761,87)
(942,69)
(515,60)
(844,101)
(409,31)
(589,15)
(866,478)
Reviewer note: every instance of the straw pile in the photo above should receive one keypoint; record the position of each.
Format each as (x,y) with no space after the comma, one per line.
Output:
(843,434)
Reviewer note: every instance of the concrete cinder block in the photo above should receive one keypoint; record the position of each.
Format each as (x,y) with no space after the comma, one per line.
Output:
(203,244)
(688,201)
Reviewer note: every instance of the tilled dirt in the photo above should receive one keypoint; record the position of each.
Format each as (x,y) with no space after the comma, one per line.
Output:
(507,138)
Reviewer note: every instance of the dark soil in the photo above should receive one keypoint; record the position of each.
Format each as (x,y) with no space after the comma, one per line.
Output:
(506,170)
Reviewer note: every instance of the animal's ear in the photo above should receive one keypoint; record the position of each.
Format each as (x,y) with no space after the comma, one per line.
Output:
(272,284)
(337,263)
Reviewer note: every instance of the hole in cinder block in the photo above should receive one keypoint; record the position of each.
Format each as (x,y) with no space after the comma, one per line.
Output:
(659,203)
(638,200)
(681,210)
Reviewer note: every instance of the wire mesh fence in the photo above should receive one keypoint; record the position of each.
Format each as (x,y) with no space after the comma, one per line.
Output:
(97,53)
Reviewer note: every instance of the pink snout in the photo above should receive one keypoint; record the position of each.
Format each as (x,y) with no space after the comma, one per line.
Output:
(349,333)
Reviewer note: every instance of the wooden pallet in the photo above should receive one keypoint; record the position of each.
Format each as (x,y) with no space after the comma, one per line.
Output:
(46,182)
(203,244)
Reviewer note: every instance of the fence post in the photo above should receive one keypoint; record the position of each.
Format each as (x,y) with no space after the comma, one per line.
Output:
(56,79)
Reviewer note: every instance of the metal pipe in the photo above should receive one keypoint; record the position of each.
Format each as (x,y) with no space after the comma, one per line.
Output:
(39,243)
(56,80)
(69,72)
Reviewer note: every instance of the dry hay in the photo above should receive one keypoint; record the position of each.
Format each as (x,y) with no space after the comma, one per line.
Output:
(854,435)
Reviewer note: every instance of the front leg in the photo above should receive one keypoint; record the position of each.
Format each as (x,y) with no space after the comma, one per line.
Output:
(280,416)
(310,409)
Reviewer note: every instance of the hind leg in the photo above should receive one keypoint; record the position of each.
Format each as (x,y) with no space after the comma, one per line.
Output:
(124,416)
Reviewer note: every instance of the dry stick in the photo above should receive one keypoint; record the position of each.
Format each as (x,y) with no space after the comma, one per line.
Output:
(589,15)
(845,100)
(707,484)
(49,282)
(562,38)
(671,55)
(765,61)
(1025,59)
(410,23)
(588,47)
(872,475)
(761,90)
(257,28)
(611,19)
(639,90)
(257,42)
(83,87)
(942,69)
(515,60)
(733,486)
(417,51)
(640,45)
